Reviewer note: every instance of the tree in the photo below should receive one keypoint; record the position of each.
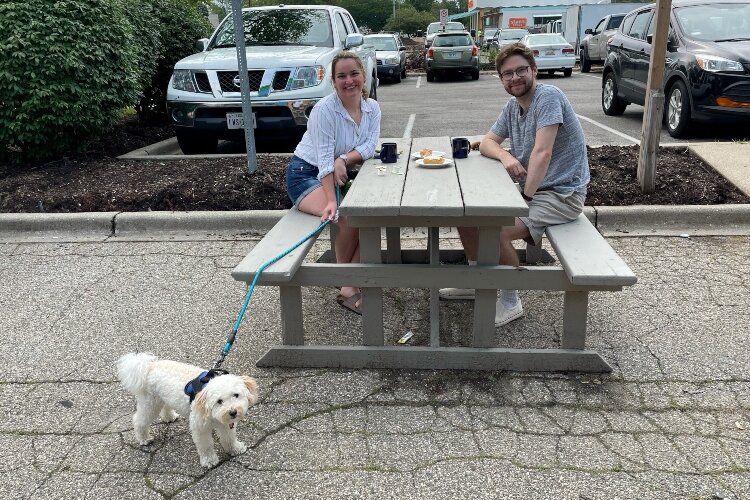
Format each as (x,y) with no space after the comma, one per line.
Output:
(370,13)
(421,5)
(409,20)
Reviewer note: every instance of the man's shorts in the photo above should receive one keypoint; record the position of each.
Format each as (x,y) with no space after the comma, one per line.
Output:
(549,208)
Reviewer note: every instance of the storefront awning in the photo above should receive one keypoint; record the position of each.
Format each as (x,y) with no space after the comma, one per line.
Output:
(461,15)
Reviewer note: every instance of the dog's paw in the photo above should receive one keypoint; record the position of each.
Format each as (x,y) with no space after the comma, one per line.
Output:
(169,415)
(237,448)
(210,461)
(146,440)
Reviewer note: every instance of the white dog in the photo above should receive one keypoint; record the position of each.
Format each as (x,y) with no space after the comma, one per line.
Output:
(159,387)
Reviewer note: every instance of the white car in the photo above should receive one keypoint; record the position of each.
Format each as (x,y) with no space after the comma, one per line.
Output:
(435,28)
(551,52)
(289,54)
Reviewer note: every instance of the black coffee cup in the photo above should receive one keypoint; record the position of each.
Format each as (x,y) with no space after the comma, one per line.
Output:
(389,152)
(461,146)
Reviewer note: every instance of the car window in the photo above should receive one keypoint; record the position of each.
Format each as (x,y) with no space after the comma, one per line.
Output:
(513,34)
(715,21)
(278,27)
(452,41)
(614,22)
(340,28)
(627,23)
(452,26)
(533,40)
(383,43)
(639,27)
(599,27)
(350,26)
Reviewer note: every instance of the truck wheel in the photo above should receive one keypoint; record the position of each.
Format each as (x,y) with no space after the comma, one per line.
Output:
(678,110)
(196,144)
(403,72)
(612,105)
(374,88)
(397,78)
(585,61)
(568,72)
(430,76)
(475,74)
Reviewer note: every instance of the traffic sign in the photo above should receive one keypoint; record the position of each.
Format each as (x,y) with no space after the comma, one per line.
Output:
(443,16)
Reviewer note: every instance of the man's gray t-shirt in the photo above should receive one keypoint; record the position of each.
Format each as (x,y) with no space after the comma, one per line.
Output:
(569,166)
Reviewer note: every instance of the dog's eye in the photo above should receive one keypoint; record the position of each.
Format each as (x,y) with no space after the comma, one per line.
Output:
(219,401)
(236,395)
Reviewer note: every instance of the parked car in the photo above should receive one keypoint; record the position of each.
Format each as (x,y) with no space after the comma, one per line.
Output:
(435,28)
(289,54)
(487,36)
(452,52)
(707,70)
(507,35)
(390,54)
(552,52)
(594,45)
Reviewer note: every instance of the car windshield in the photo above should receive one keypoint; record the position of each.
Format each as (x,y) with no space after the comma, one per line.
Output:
(716,21)
(451,41)
(513,34)
(490,32)
(436,27)
(278,27)
(382,42)
(533,40)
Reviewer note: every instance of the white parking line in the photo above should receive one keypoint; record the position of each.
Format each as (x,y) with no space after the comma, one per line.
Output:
(409,126)
(419,81)
(591,76)
(608,129)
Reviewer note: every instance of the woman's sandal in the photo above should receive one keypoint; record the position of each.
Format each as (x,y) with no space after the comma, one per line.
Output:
(350,303)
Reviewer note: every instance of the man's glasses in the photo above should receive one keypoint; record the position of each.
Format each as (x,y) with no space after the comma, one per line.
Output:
(520,72)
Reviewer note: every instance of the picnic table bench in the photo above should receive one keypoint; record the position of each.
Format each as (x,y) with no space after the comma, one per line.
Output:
(471,192)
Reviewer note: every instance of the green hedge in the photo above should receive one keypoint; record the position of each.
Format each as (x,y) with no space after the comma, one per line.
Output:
(68,68)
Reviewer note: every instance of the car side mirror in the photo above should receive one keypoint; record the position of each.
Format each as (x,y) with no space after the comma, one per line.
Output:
(671,42)
(201,44)
(473,33)
(353,40)
(401,47)
(588,31)
(419,33)
(650,38)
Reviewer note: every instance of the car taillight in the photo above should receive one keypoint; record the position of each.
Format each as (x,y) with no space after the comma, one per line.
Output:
(536,52)
(474,50)
(429,52)
(567,51)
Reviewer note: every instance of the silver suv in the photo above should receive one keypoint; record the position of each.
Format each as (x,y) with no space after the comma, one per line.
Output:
(289,54)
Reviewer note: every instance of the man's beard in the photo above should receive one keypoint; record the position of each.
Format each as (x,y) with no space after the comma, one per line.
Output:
(520,90)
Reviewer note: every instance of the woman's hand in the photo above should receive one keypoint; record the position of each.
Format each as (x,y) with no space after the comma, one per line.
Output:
(339,172)
(329,211)
(514,167)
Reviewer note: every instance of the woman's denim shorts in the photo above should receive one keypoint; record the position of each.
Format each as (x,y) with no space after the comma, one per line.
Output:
(301,179)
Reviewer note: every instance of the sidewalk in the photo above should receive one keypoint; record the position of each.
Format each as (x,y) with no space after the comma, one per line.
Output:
(672,421)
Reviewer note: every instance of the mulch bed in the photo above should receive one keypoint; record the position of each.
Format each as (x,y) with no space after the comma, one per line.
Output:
(95,181)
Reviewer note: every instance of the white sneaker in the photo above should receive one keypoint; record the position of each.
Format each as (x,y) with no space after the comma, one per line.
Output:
(503,315)
(456,293)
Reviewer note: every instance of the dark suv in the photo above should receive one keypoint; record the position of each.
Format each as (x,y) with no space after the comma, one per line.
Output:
(707,68)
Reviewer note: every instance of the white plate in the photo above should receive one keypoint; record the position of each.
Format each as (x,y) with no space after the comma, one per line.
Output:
(446,163)
(434,153)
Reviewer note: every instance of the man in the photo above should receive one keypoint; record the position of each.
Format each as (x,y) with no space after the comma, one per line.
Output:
(547,156)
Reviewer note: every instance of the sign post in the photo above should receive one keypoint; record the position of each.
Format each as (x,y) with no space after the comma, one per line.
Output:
(247,108)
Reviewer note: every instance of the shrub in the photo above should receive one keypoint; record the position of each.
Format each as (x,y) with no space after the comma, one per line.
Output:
(67,69)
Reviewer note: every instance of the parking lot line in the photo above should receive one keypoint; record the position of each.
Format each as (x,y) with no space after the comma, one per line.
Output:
(591,76)
(409,126)
(419,81)
(608,129)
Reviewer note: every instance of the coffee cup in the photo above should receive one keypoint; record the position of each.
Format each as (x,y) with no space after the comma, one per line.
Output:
(389,152)
(461,146)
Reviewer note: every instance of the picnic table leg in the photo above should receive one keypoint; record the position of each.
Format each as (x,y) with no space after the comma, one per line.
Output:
(485,300)
(292,329)
(372,298)
(334,232)
(433,246)
(393,245)
(574,320)
(533,253)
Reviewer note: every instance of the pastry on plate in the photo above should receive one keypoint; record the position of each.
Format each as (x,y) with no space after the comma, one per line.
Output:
(425,152)
(433,160)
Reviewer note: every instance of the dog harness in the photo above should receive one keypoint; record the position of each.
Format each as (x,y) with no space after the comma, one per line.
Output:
(196,385)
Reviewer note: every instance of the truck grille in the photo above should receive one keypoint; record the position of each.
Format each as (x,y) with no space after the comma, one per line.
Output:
(201,79)
(229,80)
(280,80)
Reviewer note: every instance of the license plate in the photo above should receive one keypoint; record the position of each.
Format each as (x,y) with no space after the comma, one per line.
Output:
(452,55)
(237,120)
(549,52)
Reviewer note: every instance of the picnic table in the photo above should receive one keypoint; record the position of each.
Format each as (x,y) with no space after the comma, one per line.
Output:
(475,191)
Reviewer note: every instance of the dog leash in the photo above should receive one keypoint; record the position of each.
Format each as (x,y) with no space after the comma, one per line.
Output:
(233,334)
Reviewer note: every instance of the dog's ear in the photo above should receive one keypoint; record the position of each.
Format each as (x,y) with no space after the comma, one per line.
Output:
(252,387)
(201,404)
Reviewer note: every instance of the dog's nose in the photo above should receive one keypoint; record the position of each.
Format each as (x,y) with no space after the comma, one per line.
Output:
(233,413)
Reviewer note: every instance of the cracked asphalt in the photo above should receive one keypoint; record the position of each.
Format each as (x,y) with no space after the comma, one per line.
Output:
(671,421)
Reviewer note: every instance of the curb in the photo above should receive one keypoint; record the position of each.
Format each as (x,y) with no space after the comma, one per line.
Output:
(638,220)
(155,149)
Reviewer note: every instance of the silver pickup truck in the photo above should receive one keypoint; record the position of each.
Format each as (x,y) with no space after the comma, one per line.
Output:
(594,45)
(289,54)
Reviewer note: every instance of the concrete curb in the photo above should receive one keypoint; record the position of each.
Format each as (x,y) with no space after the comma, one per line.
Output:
(155,149)
(639,220)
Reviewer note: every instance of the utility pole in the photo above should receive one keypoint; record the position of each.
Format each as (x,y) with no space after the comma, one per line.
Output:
(654,105)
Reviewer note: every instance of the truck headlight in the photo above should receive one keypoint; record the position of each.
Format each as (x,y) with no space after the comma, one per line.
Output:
(716,63)
(392,60)
(182,79)
(308,76)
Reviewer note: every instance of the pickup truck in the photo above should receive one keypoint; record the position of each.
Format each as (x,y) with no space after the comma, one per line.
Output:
(594,45)
(289,54)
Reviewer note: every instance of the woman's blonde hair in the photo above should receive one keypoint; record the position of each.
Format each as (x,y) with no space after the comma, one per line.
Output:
(345,54)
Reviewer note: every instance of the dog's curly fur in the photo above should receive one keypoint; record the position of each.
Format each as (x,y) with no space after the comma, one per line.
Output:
(158,386)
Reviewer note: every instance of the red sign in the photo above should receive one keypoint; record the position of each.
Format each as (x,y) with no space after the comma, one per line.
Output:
(517,22)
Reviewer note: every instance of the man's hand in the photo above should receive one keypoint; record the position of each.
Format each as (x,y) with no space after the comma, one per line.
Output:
(513,166)
(339,172)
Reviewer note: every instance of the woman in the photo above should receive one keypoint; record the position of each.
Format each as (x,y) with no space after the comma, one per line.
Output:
(342,130)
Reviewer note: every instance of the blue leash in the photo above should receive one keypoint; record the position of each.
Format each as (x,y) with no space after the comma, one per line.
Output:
(233,334)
